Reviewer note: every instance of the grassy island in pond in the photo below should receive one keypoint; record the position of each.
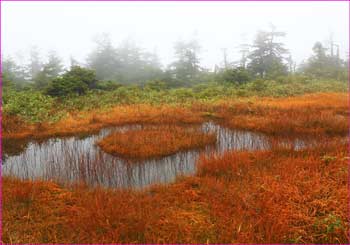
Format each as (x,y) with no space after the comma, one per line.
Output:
(155,142)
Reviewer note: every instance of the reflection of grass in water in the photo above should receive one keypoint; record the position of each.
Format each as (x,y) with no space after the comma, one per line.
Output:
(82,136)
(12,147)
(155,142)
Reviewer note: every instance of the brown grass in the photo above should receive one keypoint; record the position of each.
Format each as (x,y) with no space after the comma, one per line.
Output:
(155,142)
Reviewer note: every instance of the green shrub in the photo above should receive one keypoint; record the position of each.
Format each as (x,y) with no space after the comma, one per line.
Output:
(236,75)
(30,105)
(76,81)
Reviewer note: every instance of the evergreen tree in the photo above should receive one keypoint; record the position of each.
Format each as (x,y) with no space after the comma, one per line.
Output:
(76,81)
(186,67)
(35,64)
(104,59)
(266,58)
(323,65)
(50,70)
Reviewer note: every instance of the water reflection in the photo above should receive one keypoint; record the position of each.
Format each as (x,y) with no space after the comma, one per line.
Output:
(68,160)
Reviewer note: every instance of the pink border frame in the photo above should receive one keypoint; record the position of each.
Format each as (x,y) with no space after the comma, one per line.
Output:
(1,242)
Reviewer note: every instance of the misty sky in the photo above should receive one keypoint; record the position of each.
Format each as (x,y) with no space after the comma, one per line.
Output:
(70,27)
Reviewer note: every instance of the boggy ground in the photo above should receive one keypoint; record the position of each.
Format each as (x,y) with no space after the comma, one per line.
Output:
(242,197)
(311,114)
(155,142)
(92,121)
(275,196)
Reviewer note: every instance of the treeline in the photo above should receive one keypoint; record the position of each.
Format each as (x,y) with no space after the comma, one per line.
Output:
(108,67)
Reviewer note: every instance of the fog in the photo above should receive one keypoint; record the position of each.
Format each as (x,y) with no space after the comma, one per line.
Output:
(70,27)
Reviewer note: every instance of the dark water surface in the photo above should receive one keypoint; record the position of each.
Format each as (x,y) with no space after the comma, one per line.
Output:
(74,159)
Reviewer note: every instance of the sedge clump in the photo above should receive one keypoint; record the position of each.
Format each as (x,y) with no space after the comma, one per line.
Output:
(155,142)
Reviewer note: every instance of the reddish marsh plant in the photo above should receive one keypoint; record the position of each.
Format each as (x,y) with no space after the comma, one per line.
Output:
(155,141)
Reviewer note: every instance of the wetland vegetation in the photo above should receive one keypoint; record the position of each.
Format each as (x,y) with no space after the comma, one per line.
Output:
(122,150)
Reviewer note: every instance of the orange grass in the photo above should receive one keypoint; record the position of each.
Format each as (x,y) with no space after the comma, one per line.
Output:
(275,196)
(92,121)
(316,114)
(279,196)
(282,197)
(155,142)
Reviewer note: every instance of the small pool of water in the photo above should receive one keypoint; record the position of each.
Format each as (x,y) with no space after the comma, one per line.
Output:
(74,159)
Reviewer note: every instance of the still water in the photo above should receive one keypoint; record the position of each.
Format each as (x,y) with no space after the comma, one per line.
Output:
(74,159)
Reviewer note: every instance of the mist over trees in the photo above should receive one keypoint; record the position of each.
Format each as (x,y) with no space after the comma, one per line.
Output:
(49,71)
(267,56)
(186,66)
(109,66)
(323,65)
(125,64)
(12,74)
(35,65)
